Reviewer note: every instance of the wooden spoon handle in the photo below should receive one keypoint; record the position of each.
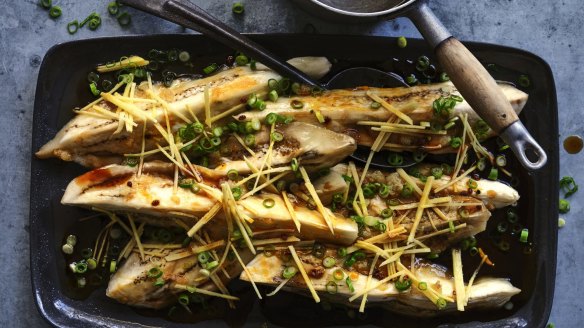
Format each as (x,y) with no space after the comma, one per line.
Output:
(476,85)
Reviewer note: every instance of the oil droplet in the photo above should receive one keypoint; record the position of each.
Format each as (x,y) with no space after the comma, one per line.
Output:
(573,144)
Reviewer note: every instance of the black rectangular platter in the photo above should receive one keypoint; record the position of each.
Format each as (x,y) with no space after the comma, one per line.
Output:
(62,86)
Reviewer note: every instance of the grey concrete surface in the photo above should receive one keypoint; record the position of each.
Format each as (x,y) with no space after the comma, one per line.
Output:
(550,28)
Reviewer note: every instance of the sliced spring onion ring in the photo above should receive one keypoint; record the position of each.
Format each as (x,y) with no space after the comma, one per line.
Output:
(296,104)
(289,272)
(238,8)
(331,287)
(524,235)
(269,203)
(329,262)
(73,27)
(338,274)
(154,272)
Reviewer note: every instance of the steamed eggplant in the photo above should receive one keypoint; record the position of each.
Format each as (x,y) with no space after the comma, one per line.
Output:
(94,139)
(118,188)
(134,283)
(345,111)
(494,194)
(313,146)
(486,293)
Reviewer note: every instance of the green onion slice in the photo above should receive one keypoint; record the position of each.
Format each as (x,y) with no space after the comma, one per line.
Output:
(91,264)
(236,191)
(73,27)
(463,213)
(411,79)
(72,240)
(210,69)
(318,250)
(154,272)
(338,274)
(568,186)
(269,203)
(384,190)
(184,56)
(273,95)
(294,164)
(159,282)
(203,257)
(55,12)
(241,60)
(81,282)
(249,140)
(124,19)
(402,42)
(113,266)
(218,131)
(455,142)
(284,84)
(271,118)
(329,262)
(67,249)
(437,172)
(233,175)
(502,226)
(449,125)
(472,184)
(331,287)
(183,299)
(211,265)
(524,81)
(407,190)
(494,174)
(113,8)
(524,235)
(256,125)
(94,90)
(238,8)
(186,183)
(94,23)
(501,160)
(273,84)
(441,304)
(86,253)
(395,159)
(277,136)
(350,284)
(81,267)
(46,3)
(296,104)
(382,227)
(387,213)
(419,156)
(289,272)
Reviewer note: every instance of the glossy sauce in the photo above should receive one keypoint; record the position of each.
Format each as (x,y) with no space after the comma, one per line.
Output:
(573,144)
